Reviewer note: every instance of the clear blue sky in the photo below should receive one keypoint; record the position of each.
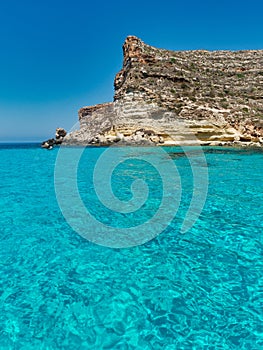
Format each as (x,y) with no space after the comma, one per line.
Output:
(57,56)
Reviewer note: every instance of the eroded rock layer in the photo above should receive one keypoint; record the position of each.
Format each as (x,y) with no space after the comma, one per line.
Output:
(176,97)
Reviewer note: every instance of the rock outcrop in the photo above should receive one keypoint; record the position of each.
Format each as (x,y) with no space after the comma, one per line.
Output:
(175,97)
(59,137)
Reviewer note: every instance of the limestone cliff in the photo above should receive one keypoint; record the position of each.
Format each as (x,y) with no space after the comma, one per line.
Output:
(173,97)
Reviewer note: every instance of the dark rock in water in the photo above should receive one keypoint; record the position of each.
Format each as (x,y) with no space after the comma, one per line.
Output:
(60,134)
(48,144)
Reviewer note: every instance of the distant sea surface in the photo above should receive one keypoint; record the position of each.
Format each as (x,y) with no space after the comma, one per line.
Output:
(198,290)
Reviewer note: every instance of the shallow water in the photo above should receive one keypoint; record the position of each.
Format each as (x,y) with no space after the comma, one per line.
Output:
(198,290)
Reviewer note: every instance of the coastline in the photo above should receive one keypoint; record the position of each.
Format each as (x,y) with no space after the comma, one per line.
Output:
(173,98)
(204,146)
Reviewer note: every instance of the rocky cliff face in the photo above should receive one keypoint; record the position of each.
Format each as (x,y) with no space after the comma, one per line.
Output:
(175,97)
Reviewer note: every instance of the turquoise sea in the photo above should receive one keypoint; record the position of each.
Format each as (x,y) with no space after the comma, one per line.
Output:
(202,289)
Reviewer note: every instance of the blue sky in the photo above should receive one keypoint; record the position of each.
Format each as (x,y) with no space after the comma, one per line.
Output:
(57,56)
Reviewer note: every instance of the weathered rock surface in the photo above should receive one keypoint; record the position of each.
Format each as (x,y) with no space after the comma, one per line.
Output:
(179,97)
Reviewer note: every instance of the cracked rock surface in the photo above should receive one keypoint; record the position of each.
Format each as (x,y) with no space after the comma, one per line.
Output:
(182,97)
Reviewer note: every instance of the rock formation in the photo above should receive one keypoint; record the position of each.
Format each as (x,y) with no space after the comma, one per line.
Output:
(177,97)
(59,137)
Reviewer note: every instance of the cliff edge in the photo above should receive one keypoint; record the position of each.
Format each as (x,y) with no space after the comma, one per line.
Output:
(179,97)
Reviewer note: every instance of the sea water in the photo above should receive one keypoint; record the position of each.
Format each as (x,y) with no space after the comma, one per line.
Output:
(202,289)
